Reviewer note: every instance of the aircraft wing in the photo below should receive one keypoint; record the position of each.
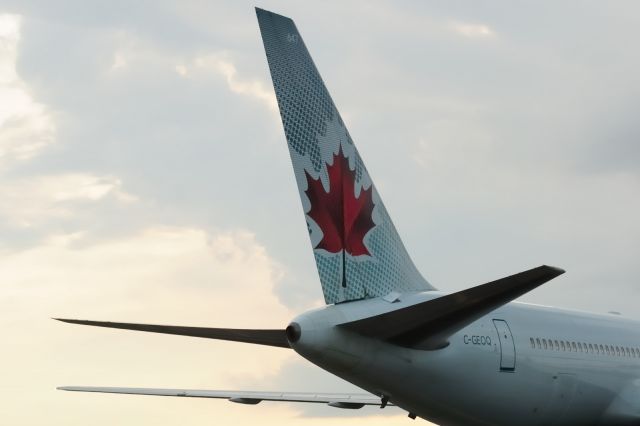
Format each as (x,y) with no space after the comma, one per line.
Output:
(349,401)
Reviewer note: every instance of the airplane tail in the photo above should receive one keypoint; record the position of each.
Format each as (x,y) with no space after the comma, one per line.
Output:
(357,249)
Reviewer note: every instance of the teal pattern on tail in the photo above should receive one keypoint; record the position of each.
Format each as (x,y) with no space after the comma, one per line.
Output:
(357,249)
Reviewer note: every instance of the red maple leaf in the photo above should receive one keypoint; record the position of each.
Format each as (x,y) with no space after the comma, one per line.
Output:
(343,218)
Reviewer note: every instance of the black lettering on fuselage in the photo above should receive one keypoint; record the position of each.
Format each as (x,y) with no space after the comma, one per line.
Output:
(477,340)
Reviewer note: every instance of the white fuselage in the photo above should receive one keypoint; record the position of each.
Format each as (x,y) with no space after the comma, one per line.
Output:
(522,364)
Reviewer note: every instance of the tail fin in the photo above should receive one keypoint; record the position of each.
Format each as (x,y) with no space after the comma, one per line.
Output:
(357,249)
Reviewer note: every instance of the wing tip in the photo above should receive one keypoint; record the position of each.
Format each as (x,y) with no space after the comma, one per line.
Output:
(554,270)
(73,321)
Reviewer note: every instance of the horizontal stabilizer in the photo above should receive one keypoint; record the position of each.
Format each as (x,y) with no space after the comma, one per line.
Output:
(245,397)
(427,325)
(259,337)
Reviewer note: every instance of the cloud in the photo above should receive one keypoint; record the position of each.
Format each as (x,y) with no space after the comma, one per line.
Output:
(133,53)
(472,30)
(119,61)
(494,168)
(162,274)
(26,202)
(224,67)
(26,126)
(164,267)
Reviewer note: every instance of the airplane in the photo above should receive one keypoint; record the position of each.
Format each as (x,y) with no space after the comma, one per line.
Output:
(473,357)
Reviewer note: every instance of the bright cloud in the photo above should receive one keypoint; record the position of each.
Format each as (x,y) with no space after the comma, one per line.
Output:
(119,61)
(226,68)
(131,51)
(26,126)
(29,201)
(166,275)
(167,268)
(472,30)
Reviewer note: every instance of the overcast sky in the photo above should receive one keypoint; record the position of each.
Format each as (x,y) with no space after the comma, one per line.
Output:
(144,177)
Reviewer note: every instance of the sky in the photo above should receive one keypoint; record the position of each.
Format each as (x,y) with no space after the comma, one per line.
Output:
(144,177)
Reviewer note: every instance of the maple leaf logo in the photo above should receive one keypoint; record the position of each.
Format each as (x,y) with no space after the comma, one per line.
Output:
(343,218)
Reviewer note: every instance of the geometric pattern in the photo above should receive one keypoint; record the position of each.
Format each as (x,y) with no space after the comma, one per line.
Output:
(315,133)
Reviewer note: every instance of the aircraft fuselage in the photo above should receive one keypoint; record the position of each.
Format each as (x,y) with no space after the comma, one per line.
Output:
(539,365)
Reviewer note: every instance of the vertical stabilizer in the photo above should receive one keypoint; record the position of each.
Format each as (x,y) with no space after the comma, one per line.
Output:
(357,249)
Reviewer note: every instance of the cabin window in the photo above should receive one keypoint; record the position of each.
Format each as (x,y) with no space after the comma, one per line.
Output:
(617,350)
(562,345)
(591,347)
(538,343)
(601,349)
(533,343)
(580,347)
(606,348)
(544,343)
(573,345)
(628,352)
(556,345)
